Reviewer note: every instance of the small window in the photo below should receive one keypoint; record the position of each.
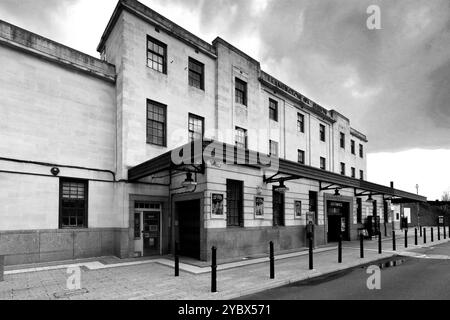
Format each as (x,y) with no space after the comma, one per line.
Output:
(300,123)
(196,127)
(241,138)
(322,133)
(359,210)
(156,55)
(361,174)
(241,91)
(196,74)
(361,151)
(156,123)
(352,142)
(235,203)
(301,156)
(273,148)
(273,110)
(353,172)
(342,140)
(323,163)
(343,168)
(73,204)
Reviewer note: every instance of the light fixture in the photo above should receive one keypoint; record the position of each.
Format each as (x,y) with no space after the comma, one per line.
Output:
(189,182)
(55,171)
(369,199)
(282,188)
(336,192)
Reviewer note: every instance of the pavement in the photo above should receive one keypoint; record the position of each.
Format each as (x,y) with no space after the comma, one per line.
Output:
(109,278)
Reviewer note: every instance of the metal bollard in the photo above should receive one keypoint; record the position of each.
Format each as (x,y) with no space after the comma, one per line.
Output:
(214,270)
(311,263)
(380,249)
(415,237)
(177,261)
(406,238)
(439,233)
(424,235)
(272,261)
(394,246)
(361,246)
(2,267)
(432,234)
(340,249)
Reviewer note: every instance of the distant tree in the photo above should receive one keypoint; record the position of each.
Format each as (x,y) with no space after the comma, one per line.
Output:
(446,196)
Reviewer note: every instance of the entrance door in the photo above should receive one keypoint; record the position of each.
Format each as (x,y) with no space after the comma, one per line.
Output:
(151,233)
(278,208)
(188,213)
(338,221)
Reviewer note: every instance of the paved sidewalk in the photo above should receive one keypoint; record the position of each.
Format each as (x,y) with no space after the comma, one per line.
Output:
(154,280)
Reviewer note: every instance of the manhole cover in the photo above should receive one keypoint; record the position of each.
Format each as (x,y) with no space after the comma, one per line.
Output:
(71,293)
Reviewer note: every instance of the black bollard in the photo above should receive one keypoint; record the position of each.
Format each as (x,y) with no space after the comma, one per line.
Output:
(380,249)
(406,238)
(394,246)
(420,228)
(340,249)
(415,237)
(424,235)
(445,232)
(177,261)
(439,233)
(272,262)
(361,246)
(311,264)
(214,270)
(432,234)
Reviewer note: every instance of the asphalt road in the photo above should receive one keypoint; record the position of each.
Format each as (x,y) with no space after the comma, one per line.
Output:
(411,279)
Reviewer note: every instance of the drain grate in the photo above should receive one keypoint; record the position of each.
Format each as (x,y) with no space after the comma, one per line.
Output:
(71,293)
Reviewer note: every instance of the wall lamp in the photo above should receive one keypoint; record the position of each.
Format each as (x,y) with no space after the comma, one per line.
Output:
(189,182)
(369,199)
(336,192)
(281,188)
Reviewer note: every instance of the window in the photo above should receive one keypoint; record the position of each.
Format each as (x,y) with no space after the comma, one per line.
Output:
(359,210)
(156,55)
(313,205)
(353,172)
(361,151)
(235,203)
(278,208)
(342,140)
(195,127)
(301,156)
(300,123)
(196,74)
(323,163)
(322,133)
(361,174)
(241,92)
(352,142)
(343,168)
(137,225)
(273,146)
(241,138)
(156,123)
(73,204)
(273,110)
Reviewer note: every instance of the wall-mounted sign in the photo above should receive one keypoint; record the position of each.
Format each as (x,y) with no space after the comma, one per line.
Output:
(298,209)
(259,206)
(217,204)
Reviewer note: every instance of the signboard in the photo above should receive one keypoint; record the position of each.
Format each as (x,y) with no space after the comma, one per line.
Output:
(259,206)
(441,220)
(217,204)
(310,217)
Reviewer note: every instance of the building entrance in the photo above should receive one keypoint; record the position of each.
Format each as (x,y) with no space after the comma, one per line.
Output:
(338,221)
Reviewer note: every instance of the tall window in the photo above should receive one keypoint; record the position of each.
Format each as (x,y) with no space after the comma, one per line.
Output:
(352,142)
(343,168)
(353,172)
(358,210)
(361,151)
(156,123)
(156,55)
(235,203)
(196,74)
(322,133)
(300,123)
(342,140)
(241,92)
(301,156)
(313,195)
(273,110)
(241,138)
(361,174)
(273,146)
(196,127)
(73,204)
(323,163)
(278,208)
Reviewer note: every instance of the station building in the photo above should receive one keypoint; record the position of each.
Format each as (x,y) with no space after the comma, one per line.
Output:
(90,150)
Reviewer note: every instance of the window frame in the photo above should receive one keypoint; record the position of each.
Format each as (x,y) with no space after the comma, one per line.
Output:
(324,167)
(342,140)
(164,107)
(196,117)
(236,130)
(273,110)
(343,168)
(353,171)
(244,92)
(239,215)
(301,152)
(361,174)
(270,148)
(300,123)
(361,151)
(322,131)
(353,146)
(86,203)
(202,74)
(164,56)
(359,210)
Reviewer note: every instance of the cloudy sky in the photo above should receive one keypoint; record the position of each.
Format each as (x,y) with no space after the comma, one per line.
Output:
(393,83)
